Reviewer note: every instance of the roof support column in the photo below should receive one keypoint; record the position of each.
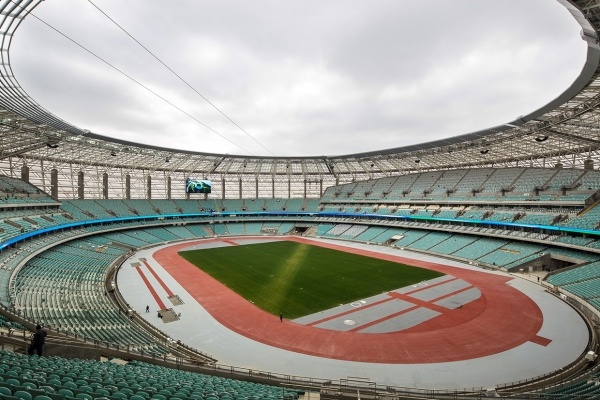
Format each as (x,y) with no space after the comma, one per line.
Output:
(25,173)
(80,185)
(128,186)
(54,183)
(105,185)
(305,188)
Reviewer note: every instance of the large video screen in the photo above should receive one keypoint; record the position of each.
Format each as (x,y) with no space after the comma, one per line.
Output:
(197,186)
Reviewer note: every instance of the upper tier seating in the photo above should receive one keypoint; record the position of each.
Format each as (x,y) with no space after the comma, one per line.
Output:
(501,179)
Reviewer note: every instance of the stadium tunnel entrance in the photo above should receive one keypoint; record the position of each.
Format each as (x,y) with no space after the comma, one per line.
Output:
(549,262)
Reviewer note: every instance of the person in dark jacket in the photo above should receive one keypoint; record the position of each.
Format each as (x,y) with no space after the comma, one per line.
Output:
(37,341)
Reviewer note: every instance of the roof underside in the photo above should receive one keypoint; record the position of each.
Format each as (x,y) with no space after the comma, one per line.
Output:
(565,131)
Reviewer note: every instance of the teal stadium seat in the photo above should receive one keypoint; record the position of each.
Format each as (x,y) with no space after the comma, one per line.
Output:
(29,385)
(21,394)
(102,391)
(65,392)
(70,385)
(12,381)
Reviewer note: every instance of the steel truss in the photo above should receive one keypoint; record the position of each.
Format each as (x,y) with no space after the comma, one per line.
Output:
(565,133)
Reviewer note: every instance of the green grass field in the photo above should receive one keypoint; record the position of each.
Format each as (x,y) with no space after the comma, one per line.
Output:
(301,279)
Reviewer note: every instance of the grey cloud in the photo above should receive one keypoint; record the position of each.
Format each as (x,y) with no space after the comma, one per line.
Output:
(304,78)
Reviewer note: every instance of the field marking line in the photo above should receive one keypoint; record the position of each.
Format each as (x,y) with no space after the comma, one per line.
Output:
(151,289)
(160,281)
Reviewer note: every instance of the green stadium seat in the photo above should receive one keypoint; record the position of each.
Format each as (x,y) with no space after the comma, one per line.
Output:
(5,391)
(102,391)
(29,385)
(111,388)
(150,389)
(21,394)
(65,392)
(86,388)
(70,385)
(12,381)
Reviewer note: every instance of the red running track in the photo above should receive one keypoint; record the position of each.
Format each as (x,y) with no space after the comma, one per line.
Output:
(501,319)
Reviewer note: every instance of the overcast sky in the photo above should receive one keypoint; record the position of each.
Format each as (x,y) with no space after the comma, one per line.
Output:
(303,78)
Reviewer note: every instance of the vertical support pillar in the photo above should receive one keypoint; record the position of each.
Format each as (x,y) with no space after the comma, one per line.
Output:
(305,188)
(588,164)
(54,183)
(168,188)
(289,187)
(25,173)
(149,187)
(128,187)
(256,181)
(223,187)
(272,188)
(320,187)
(105,185)
(240,187)
(80,185)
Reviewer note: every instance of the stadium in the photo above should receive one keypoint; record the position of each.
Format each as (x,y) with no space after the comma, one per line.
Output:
(500,229)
